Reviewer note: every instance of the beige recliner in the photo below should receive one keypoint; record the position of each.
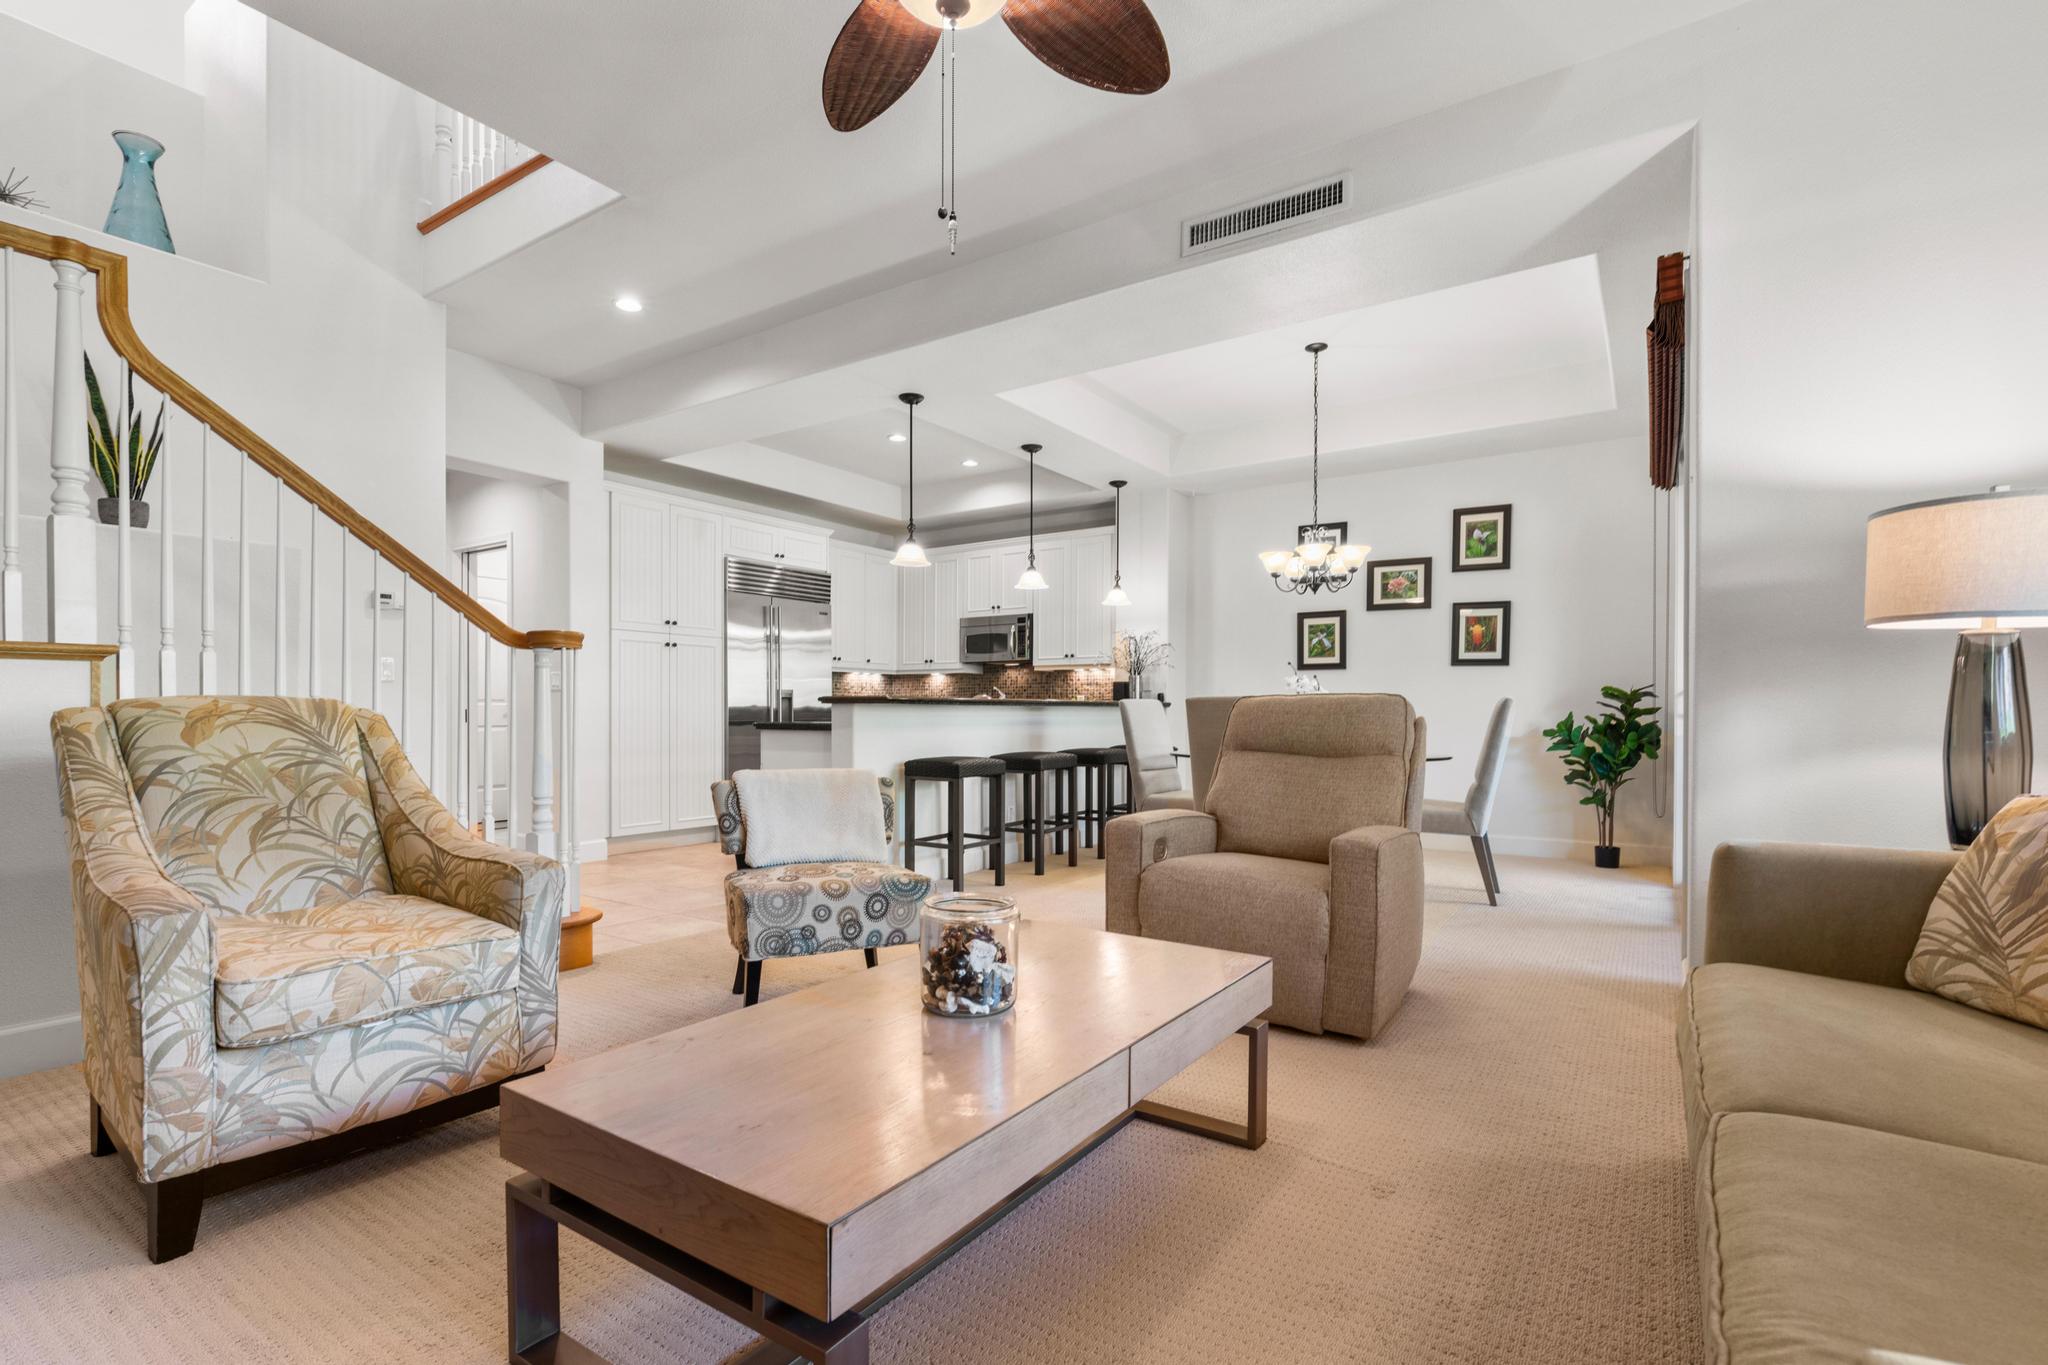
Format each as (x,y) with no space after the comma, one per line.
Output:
(1307,850)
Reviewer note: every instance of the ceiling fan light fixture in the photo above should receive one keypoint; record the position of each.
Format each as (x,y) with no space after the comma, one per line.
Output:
(958,13)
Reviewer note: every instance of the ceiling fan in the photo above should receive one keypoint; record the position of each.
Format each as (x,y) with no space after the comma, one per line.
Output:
(1113,45)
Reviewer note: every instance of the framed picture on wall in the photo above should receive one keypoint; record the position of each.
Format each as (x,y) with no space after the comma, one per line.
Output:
(1479,632)
(1480,537)
(1319,640)
(1398,584)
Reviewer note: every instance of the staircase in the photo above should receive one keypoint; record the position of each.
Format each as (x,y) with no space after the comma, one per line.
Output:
(255,578)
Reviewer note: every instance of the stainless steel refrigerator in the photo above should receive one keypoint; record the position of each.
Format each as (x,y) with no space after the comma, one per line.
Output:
(778,652)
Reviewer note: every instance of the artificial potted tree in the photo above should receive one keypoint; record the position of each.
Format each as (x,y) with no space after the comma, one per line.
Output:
(105,445)
(1602,750)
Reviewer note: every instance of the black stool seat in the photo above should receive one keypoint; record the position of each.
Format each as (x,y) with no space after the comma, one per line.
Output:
(1105,755)
(1037,761)
(954,766)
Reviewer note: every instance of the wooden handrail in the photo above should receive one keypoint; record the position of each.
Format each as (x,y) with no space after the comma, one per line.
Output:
(112,269)
(495,185)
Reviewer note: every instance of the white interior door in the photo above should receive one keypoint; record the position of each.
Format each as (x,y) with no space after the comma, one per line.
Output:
(487,577)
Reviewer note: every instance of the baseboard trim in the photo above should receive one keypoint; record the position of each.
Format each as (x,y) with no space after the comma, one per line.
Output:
(671,839)
(41,1044)
(593,850)
(1572,850)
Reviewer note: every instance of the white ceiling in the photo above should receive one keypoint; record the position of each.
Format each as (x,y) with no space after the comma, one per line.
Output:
(795,278)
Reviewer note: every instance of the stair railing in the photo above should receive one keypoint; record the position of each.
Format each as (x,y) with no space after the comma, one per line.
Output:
(326,570)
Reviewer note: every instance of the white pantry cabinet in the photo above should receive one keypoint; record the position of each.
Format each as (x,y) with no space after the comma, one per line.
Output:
(864,609)
(668,648)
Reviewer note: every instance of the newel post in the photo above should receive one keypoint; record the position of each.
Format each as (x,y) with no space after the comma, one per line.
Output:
(72,539)
(544,840)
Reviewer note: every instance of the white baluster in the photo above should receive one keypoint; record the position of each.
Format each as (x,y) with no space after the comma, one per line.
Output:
(309,599)
(166,574)
(490,815)
(444,156)
(405,653)
(377,632)
(73,576)
(12,626)
(544,753)
(434,766)
(124,569)
(209,655)
(465,689)
(280,685)
(571,858)
(348,624)
(245,651)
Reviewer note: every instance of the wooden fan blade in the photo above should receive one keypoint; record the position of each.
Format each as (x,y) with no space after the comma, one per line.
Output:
(1112,45)
(879,55)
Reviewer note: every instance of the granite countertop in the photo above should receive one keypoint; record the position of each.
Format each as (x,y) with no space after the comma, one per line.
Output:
(960,701)
(792,725)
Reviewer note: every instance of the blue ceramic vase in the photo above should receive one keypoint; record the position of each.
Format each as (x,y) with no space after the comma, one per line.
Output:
(138,214)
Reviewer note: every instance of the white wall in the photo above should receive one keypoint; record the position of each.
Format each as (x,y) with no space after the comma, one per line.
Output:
(1872,190)
(518,458)
(1579,576)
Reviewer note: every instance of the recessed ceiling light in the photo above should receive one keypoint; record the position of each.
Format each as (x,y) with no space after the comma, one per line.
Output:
(970,464)
(628,303)
(897,437)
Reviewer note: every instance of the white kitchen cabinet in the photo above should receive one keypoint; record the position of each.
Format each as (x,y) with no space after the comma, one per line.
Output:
(1052,610)
(799,547)
(849,603)
(979,593)
(640,732)
(696,741)
(1091,631)
(1010,564)
(945,612)
(878,629)
(666,573)
(640,563)
(914,618)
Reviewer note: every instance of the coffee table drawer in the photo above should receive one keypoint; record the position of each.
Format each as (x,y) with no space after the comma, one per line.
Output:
(889,1235)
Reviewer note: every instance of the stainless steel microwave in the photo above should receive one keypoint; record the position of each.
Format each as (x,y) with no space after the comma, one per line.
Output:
(1004,639)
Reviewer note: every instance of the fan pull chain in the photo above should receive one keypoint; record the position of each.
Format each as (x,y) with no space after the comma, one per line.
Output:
(951,143)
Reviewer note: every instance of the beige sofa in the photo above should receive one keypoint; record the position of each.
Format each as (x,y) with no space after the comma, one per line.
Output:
(1870,1160)
(1307,850)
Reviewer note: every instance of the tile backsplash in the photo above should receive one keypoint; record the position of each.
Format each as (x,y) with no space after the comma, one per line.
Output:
(1056,684)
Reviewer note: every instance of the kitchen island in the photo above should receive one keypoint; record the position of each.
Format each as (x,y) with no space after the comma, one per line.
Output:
(880,733)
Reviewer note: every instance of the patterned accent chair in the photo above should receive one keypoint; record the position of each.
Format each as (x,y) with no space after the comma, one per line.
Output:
(287,948)
(1307,849)
(798,909)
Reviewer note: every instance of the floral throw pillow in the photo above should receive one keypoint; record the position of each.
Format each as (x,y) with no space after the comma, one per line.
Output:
(1985,942)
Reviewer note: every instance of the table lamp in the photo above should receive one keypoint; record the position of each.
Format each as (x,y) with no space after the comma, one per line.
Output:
(1978,565)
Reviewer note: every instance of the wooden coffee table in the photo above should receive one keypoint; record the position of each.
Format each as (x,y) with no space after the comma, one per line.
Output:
(798,1164)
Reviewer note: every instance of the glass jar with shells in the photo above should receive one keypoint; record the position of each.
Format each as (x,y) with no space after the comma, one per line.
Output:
(968,966)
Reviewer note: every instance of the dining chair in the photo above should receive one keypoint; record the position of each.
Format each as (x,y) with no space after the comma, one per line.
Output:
(1473,816)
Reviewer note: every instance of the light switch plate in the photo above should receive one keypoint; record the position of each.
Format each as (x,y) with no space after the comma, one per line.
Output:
(387,669)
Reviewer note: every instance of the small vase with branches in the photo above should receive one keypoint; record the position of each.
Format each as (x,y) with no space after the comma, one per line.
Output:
(1602,750)
(105,446)
(1140,654)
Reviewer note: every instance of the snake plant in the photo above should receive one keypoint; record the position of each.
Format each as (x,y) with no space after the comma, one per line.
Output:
(106,449)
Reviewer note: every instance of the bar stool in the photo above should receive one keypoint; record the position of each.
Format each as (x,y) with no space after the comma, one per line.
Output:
(955,771)
(1035,766)
(1099,804)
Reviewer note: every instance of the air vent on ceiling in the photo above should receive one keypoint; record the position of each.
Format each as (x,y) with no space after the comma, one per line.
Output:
(1262,216)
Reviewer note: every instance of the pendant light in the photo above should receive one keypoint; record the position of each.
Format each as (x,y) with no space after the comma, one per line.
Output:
(1032,580)
(1319,562)
(1117,596)
(910,555)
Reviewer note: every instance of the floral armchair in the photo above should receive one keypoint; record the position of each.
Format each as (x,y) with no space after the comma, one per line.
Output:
(285,942)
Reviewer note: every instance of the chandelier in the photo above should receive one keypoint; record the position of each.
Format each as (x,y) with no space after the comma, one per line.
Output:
(1319,562)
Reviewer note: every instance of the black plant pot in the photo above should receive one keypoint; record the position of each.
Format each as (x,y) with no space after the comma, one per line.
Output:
(1606,855)
(138,512)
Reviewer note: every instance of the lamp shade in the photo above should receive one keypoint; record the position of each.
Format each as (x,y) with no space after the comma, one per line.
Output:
(1969,563)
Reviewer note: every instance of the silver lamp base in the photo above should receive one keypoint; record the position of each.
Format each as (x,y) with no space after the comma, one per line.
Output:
(1988,750)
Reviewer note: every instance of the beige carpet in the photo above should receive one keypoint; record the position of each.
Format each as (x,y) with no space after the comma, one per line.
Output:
(1500,1178)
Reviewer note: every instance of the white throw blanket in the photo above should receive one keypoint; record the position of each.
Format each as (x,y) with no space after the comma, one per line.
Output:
(811,815)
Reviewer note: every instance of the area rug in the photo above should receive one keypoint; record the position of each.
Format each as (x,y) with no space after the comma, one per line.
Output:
(1501,1177)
